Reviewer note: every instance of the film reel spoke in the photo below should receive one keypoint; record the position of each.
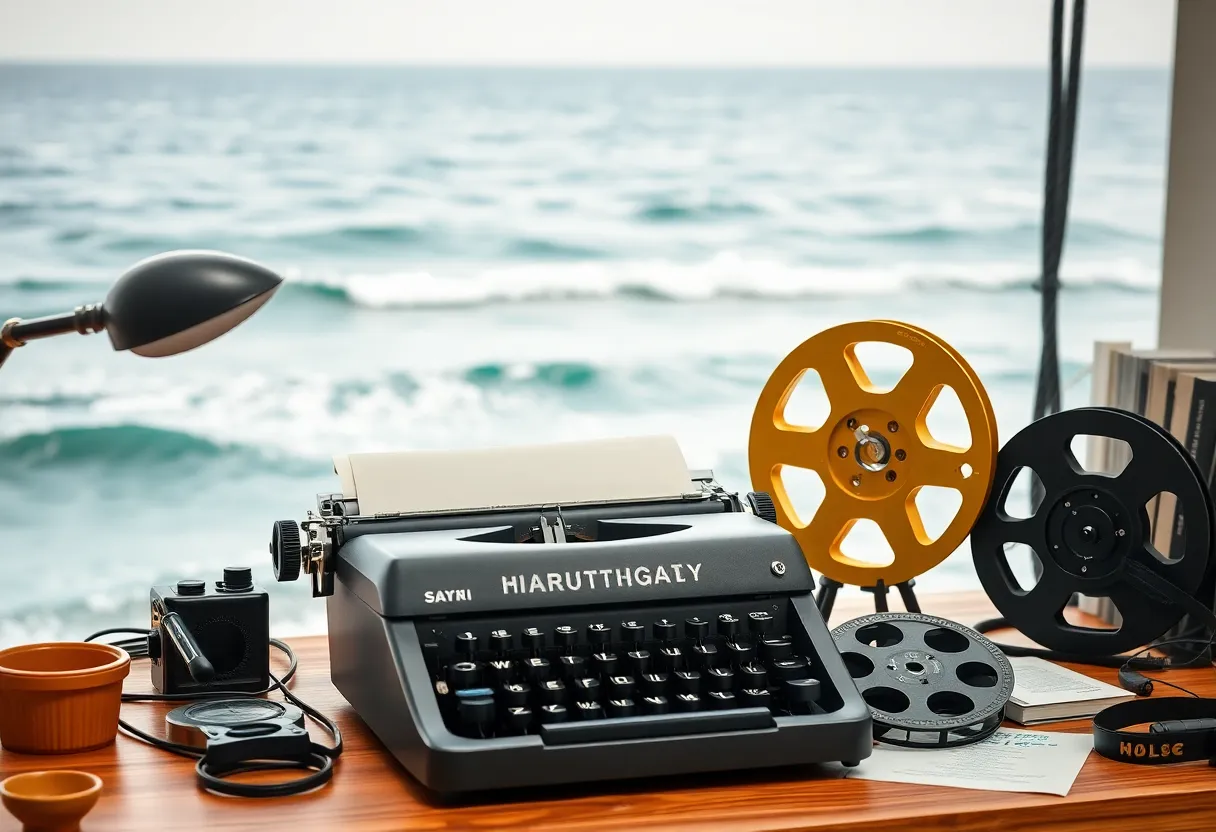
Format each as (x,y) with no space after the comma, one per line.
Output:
(874,450)
(940,465)
(1051,593)
(798,446)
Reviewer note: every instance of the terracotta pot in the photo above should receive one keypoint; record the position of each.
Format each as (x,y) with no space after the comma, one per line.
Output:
(60,697)
(50,801)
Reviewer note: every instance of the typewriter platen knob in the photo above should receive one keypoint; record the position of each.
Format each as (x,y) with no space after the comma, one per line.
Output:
(760,503)
(285,550)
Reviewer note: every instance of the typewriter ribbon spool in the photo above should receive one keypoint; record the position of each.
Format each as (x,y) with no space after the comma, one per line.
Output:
(874,452)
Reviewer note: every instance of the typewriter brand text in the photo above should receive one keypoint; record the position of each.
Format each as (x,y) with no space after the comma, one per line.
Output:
(672,573)
(447,596)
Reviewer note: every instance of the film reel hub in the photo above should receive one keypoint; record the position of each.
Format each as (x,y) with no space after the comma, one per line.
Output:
(1086,533)
(874,453)
(1092,533)
(929,681)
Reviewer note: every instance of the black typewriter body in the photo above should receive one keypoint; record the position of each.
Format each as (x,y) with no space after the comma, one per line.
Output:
(490,651)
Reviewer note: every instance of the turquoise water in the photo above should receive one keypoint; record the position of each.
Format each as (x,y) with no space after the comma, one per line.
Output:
(480,257)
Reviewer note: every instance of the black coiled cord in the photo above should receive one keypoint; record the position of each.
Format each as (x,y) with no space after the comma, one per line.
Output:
(320,762)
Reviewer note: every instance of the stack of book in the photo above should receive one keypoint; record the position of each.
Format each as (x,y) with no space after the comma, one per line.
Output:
(1177,390)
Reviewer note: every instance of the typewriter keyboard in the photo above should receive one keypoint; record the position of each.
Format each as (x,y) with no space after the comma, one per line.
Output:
(736,661)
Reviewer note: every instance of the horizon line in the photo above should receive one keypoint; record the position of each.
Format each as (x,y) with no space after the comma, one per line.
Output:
(388,64)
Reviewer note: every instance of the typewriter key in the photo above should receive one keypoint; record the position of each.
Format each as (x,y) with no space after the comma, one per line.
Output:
(572,667)
(515,695)
(795,668)
(696,628)
(632,633)
(462,675)
(537,669)
(670,659)
(686,702)
(759,622)
(753,677)
(755,698)
(620,707)
(720,678)
(621,687)
(533,639)
(704,656)
(553,692)
(728,626)
(466,645)
(550,714)
(639,661)
(586,689)
(720,700)
(655,705)
(688,681)
(665,629)
(500,671)
(598,635)
(517,721)
(588,710)
(605,664)
(500,641)
(654,684)
(800,693)
(565,636)
(775,649)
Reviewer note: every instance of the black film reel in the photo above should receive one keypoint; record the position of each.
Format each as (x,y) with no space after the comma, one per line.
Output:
(1091,532)
(929,682)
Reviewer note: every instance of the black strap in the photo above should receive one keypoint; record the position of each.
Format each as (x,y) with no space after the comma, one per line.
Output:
(1157,746)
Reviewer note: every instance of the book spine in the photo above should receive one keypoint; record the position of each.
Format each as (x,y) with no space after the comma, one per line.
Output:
(1200,443)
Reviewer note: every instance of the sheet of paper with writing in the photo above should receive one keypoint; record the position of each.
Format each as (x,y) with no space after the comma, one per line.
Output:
(1011,760)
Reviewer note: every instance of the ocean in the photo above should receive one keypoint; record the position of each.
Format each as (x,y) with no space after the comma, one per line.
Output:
(505,256)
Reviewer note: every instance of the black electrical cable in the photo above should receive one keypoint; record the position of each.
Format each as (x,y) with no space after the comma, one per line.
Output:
(1057,180)
(320,761)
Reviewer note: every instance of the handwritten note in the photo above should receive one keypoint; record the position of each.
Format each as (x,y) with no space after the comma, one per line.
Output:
(1011,760)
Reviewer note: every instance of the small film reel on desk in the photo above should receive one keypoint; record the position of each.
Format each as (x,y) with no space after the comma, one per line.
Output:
(874,452)
(929,682)
(1091,533)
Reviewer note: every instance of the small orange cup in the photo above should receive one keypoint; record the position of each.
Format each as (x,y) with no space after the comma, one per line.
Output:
(50,801)
(60,697)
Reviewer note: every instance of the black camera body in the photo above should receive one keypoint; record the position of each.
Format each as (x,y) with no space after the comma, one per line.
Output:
(210,638)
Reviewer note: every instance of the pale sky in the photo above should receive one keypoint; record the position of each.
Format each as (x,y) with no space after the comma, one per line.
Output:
(579,32)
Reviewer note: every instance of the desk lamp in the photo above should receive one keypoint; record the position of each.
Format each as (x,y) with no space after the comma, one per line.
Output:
(164,305)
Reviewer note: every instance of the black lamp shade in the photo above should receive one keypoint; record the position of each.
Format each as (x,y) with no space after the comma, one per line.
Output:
(175,302)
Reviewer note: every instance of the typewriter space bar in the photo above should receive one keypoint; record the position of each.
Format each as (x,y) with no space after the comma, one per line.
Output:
(664,725)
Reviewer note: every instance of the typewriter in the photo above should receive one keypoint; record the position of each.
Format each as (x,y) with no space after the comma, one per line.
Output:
(569,613)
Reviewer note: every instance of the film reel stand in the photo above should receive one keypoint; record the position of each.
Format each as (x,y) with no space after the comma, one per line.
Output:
(874,453)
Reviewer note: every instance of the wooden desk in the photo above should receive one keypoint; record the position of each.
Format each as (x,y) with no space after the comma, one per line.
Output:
(146,789)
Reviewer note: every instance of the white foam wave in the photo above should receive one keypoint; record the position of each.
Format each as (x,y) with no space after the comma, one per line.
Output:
(725,276)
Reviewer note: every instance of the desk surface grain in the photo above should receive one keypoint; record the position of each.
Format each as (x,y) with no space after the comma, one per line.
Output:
(146,789)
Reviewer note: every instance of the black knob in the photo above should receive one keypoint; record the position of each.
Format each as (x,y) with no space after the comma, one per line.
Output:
(586,689)
(553,692)
(753,677)
(654,684)
(761,505)
(740,654)
(655,705)
(704,656)
(670,658)
(800,693)
(696,628)
(537,669)
(688,681)
(463,675)
(719,678)
(565,636)
(620,707)
(728,625)
(665,629)
(191,587)
(500,641)
(792,668)
(632,632)
(154,645)
(517,720)
(553,713)
(475,714)
(285,550)
(775,649)
(686,702)
(588,710)
(466,645)
(533,639)
(500,671)
(759,622)
(515,695)
(604,664)
(598,635)
(238,578)
(750,698)
(572,667)
(621,687)
(639,661)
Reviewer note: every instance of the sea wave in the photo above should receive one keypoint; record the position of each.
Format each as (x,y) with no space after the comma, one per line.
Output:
(724,276)
(118,446)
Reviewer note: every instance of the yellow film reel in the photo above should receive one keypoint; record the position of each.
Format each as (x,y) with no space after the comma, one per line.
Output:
(874,453)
